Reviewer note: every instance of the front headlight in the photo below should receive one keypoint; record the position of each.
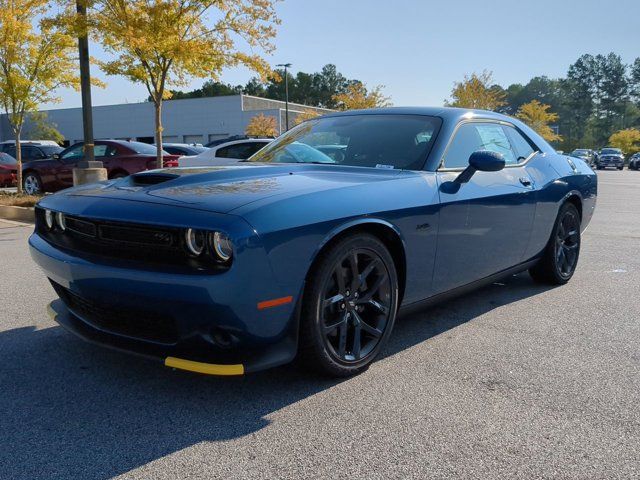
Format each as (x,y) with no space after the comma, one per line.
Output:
(48,219)
(195,241)
(221,245)
(62,224)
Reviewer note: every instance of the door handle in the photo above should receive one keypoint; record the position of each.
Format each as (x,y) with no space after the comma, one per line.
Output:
(525,181)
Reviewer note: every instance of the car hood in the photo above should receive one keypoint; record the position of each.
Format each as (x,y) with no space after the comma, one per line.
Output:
(224,189)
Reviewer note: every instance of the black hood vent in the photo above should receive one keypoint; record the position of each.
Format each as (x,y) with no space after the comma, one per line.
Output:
(152,178)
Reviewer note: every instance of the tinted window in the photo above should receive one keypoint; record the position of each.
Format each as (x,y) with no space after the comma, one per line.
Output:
(384,141)
(471,137)
(174,150)
(28,152)
(240,151)
(610,151)
(520,144)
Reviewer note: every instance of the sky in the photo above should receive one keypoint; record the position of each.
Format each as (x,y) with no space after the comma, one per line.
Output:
(418,48)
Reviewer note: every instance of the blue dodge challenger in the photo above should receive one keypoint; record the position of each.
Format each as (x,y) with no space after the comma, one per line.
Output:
(312,247)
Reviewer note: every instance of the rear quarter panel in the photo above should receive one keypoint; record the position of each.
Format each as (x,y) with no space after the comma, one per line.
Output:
(556,179)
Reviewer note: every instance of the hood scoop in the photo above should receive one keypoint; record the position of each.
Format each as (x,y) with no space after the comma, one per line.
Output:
(152,178)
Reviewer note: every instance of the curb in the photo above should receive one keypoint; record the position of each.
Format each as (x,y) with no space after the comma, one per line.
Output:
(20,214)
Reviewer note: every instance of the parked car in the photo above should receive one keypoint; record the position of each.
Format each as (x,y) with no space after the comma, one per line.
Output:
(634,162)
(32,151)
(8,170)
(225,153)
(585,154)
(51,143)
(610,157)
(120,158)
(182,149)
(229,270)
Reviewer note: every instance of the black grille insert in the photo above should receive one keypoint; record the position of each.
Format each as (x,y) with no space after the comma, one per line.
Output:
(130,322)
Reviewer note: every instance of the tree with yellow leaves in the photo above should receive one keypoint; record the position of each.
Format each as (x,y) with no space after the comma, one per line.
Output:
(166,42)
(305,115)
(356,96)
(627,140)
(477,91)
(538,117)
(262,126)
(33,63)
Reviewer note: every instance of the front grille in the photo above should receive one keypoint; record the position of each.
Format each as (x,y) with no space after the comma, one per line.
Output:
(141,246)
(130,322)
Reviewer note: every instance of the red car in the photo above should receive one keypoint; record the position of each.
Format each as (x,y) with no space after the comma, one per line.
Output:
(8,170)
(120,158)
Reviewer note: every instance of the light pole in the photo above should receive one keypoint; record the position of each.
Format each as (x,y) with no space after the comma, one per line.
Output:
(286,94)
(85,82)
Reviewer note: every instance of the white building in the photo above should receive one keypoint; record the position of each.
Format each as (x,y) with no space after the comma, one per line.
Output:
(193,120)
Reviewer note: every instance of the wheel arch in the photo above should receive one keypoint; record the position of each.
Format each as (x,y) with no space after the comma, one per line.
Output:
(384,231)
(575,198)
(118,171)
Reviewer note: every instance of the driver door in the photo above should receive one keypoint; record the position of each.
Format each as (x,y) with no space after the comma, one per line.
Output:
(485,224)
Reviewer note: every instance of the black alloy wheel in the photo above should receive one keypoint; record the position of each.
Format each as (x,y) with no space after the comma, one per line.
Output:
(568,243)
(350,307)
(560,257)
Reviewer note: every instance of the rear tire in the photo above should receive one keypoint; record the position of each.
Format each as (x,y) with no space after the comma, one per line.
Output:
(560,257)
(347,317)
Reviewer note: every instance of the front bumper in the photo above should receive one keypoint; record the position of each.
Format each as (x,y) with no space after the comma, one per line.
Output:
(215,323)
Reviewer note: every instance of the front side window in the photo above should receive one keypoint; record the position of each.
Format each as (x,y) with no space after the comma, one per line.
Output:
(474,136)
(73,154)
(375,141)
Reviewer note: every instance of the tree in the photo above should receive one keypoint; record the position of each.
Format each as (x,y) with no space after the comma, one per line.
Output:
(627,140)
(477,91)
(40,128)
(357,96)
(33,63)
(538,117)
(307,114)
(262,126)
(166,42)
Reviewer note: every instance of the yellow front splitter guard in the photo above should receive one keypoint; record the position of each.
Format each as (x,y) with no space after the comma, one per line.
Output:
(206,368)
(182,364)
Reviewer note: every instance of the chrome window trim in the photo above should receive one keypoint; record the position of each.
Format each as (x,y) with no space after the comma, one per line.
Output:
(442,168)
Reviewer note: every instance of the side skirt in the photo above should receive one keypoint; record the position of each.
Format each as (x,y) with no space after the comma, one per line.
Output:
(456,292)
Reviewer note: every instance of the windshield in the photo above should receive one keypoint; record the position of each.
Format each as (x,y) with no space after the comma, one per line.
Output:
(6,159)
(50,150)
(581,152)
(611,151)
(377,141)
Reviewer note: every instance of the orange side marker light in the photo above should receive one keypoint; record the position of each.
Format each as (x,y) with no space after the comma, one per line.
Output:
(275,302)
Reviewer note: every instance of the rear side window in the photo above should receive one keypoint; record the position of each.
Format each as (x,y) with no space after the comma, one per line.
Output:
(522,146)
(474,136)
(241,151)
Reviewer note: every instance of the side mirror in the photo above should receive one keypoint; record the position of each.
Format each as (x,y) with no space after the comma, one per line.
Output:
(483,161)
(56,156)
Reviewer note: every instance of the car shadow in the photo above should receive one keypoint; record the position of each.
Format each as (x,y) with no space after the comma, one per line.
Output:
(72,410)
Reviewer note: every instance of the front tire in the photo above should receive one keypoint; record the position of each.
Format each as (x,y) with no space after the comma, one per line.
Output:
(560,257)
(31,184)
(349,306)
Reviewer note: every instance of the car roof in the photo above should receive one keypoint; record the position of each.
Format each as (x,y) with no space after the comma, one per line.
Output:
(448,113)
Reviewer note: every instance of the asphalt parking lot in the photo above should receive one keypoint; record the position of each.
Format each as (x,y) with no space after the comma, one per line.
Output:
(515,380)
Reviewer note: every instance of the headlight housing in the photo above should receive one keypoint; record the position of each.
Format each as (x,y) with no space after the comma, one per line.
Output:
(221,246)
(48,219)
(195,241)
(60,221)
